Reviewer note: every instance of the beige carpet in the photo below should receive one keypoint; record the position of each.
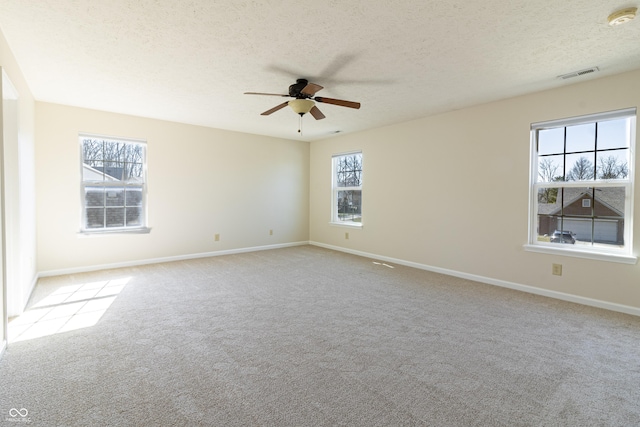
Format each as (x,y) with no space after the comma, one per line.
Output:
(310,337)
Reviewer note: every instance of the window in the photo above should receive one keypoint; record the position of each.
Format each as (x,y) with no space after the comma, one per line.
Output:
(347,189)
(581,193)
(113,184)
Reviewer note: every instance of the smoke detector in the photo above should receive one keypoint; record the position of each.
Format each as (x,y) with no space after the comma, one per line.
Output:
(622,16)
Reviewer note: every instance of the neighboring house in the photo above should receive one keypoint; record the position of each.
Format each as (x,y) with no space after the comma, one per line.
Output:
(110,205)
(95,174)
(585,214)
(350,202)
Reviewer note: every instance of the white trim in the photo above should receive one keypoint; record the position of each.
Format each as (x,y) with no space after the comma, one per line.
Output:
(114,230)
(635,311)
(34,283)
(112,138)
(3,347)
(346,153)
(596,117)
(350,224)
(571,252)
(88,268)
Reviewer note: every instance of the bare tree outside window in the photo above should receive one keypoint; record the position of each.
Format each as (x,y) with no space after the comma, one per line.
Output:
(118,160)
(349,170)
(581,170)
(610,167)
(548,172)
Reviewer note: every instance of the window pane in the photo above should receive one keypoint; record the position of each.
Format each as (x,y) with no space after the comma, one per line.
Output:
(133,196)
(114,196)
(581,138)
(551,141)
(133,172)
(609,202)
(549,210)
(113,171)
(115,217)
(608,232)
(91,150)
(133,153)
(94,196)
(576,216)
(349,205)
(548,200)
(578,228)
(114,151)
(550,168)
(134,216)
(92,171)
(349,170)
(613,164)
(94,218)
(580,167)
(614,134)
(577,202)
(547,225)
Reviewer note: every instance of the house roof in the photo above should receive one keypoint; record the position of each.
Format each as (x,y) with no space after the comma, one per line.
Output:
(611,197)
(192,61)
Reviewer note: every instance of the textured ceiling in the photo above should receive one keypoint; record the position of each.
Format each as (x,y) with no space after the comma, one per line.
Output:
(191,61)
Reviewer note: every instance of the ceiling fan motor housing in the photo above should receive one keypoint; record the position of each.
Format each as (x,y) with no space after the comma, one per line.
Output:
(295,90)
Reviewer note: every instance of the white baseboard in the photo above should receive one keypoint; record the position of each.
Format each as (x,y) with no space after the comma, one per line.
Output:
(85,269)
(490,281)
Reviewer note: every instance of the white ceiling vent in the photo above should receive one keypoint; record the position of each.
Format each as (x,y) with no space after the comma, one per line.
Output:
(578,73)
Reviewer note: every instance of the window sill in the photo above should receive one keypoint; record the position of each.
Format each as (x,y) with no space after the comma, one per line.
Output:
(142,230)
(599,256)
(347,224)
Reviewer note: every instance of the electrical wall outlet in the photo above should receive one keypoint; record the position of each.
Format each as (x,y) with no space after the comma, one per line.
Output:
(270,232)
(556,269)
(346,236)
(216,237)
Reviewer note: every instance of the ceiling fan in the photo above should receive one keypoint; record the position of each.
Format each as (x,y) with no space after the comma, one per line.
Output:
(304,94)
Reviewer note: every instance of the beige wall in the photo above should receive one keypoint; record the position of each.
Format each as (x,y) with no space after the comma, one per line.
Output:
(451,192)
(201,182)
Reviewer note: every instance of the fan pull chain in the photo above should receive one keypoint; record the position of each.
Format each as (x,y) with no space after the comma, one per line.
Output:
(300,125)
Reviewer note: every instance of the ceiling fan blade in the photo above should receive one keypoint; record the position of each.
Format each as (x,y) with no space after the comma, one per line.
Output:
(340,102)
(311,89)
(268,94)
(274,109)
(316,113)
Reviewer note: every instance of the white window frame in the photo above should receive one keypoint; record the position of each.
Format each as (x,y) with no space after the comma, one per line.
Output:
(335,219)
(622,255)
(112,183)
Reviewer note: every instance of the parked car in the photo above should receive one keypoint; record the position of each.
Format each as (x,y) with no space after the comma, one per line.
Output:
(563,237)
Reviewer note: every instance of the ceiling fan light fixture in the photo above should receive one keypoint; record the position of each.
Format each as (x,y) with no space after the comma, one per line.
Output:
(622,16)
(301,106)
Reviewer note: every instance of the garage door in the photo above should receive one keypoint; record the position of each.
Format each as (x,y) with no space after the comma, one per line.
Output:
(604,230)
